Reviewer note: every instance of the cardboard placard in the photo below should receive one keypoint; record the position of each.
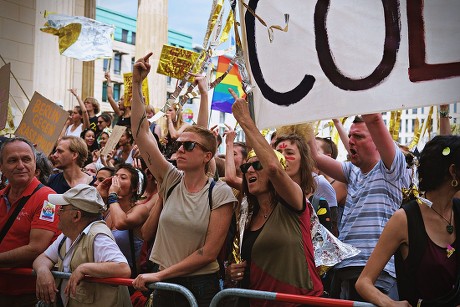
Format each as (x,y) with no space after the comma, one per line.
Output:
(42,123)
(4,93)
(115,136)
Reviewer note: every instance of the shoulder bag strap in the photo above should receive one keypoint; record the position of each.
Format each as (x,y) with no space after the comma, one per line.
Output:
(18,209)
(211,186)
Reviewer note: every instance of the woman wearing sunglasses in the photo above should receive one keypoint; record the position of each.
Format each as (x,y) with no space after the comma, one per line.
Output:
(192,224)
(277,248)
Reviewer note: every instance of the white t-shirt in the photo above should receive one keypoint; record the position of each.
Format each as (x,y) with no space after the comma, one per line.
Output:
(76,132)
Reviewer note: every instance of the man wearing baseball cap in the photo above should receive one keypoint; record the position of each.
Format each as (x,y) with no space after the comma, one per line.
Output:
(85,247)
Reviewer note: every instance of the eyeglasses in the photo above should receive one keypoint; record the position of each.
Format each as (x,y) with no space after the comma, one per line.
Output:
(62,209)
(256,165)
(189,145)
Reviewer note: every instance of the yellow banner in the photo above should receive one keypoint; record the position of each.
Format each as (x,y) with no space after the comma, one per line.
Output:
(176,62)
(128,92)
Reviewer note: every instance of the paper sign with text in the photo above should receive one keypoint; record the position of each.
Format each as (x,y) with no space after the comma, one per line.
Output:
(347,57)
(42,123)
(128,88)
(112,142)
(176,62)
(4,93)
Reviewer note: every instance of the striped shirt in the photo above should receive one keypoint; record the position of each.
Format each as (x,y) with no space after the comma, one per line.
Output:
(371,201)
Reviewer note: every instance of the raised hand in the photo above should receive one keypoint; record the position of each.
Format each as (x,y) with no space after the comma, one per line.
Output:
(141,68)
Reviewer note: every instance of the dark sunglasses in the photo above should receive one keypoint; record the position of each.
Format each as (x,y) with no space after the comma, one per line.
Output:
(189,145)
(255,165)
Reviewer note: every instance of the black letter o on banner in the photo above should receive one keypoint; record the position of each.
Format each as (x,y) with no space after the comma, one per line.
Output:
(390,49)
(281,99)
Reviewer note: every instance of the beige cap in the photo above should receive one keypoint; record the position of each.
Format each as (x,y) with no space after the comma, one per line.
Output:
(81,196)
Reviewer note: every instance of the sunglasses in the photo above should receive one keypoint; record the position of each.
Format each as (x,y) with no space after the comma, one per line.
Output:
(189,145)
(256,165)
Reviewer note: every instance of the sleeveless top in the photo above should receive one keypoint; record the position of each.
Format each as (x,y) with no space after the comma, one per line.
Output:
(427,272)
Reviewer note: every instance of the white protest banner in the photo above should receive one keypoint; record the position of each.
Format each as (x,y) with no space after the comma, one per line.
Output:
(4,93)
(115,136)
(42,123)
(350,57)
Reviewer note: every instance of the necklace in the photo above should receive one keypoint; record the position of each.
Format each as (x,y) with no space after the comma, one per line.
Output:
(449,227)
(267,214)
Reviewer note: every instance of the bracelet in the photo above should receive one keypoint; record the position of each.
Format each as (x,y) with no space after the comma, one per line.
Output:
(113,198)
(444,114)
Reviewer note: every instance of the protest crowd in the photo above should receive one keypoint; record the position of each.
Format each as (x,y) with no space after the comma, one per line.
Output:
(123,196)
(162,206)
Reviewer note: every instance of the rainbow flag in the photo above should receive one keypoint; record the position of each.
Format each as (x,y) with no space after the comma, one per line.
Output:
(221,99)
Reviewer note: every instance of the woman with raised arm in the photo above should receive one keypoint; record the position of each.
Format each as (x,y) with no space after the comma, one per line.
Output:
(423,236)
(123,112)
(196,211)
(90,108)
(277,249)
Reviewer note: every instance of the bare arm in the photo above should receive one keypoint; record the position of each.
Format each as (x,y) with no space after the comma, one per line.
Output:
(39,240)
(172,130)
(444,122)
(218,227)
(83,108)
(100,270)
(203,113)
(122,220)
(230,171)
(325,163)
(394,235)
(284,185)
(381,137)
(149,229)
(342,133)
(45,286)
(112,101)
(148,146)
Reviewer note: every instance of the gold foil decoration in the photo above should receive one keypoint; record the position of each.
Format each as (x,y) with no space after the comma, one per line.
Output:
(417,132)
(227,28)
(212,21)
(395,124)
(68,35)
(128,92)
(280,157)
(176,62)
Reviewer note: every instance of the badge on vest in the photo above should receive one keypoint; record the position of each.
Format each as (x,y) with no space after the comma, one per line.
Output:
(48,212)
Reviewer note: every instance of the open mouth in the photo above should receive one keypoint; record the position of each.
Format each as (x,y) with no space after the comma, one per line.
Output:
(353,151)
(252,179)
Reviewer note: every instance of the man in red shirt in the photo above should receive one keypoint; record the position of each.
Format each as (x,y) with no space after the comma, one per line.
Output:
(34,228)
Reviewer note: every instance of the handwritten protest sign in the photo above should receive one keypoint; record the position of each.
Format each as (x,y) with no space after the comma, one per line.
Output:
(42,123)
(4,93)
(115,136)
(128,85)
(347,57)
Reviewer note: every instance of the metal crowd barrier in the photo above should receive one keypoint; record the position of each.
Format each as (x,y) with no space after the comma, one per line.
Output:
(283,297)
(114,281)
(265,295)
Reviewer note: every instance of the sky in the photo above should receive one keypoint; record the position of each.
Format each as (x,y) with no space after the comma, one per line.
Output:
(186,16)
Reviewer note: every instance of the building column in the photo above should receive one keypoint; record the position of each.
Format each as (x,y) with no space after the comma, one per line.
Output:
(151,35)
(87,85)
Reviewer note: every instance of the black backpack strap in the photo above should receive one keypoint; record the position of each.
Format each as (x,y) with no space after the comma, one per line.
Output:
(211,186)
(133,253)
(16,211)
(170,190)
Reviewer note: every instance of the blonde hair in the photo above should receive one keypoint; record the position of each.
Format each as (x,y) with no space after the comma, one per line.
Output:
(177,122)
